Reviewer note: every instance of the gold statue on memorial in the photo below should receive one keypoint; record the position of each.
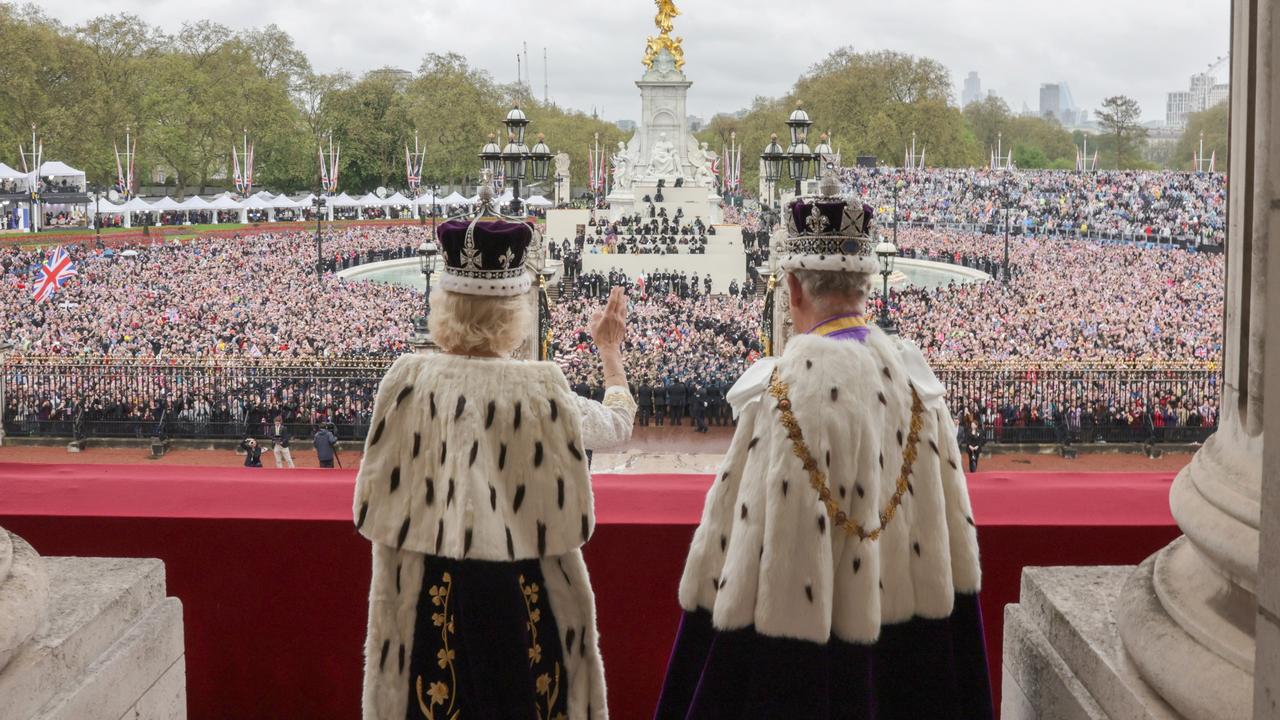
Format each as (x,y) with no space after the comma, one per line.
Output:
(667,11)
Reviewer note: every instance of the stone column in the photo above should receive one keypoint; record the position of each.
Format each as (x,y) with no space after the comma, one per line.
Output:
(1267,626)
(1189,615)
(24,594)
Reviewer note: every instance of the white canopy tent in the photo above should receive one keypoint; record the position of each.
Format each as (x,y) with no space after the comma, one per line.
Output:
(224,202)
(371,200)
(106,207)
(165,204)
(538,201)
(8,173)
(399,201)
(257,202)
(135,205)
(195,202)
(343,200)
(454,198)
(55,173)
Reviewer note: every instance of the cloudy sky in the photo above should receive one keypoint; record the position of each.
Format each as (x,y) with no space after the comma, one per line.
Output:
(736,50)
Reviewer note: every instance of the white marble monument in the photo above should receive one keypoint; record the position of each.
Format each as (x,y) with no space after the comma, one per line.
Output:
(1194,631)
(662,148)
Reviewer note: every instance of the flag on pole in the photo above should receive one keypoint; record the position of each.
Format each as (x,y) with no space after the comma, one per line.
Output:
(235,171)
(53,274)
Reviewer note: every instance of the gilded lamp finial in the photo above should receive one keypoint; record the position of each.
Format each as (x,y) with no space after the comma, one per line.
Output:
(667,11)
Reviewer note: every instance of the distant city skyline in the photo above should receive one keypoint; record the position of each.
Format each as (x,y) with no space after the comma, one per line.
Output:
(594,52)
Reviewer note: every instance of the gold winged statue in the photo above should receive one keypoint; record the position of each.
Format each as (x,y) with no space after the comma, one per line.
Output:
(667,11)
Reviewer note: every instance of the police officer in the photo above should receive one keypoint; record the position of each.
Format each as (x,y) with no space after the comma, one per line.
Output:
(698,409)
(644,398)
(678,398)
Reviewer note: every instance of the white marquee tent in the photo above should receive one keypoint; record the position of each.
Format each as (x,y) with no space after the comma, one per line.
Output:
(224,202)
(8,173)
(195,202)
(165,204)
(57,172)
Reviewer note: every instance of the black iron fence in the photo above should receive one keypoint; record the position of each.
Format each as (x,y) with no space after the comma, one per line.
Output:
(186,397)
(1020,402)
(231,399)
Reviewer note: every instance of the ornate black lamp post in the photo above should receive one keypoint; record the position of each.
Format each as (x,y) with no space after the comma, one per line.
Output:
(800,158)
(515,160)
(886,252)
(772,158)
(1005,189)
(428,253)
(317,205)
(97,214)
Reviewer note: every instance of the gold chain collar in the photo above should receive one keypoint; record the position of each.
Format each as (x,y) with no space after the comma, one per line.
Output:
(818,478)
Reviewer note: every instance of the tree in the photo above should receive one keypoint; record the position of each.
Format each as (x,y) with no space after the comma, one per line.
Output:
(989,119)
(1211,122)
(454,106)
(1119,118)
(371,119)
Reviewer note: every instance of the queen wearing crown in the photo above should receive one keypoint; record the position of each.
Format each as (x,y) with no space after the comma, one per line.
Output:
(834,573)
(476,495)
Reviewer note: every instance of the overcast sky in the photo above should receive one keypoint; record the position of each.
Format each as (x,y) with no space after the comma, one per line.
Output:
(736,50)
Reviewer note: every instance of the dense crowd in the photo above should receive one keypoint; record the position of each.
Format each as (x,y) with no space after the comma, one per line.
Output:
(216,298)
(1131,203)
(683,350)
(258,296)
(251,296)
(1067,300)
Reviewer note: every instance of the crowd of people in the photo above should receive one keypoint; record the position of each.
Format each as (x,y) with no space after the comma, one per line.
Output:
(1067,299)
(656,235)
(258,296)
(213,299)
(684,350)
(1191,207)
(241,296)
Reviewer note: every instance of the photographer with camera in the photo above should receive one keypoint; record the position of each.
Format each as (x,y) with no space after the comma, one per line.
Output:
(252,453)
(326,443)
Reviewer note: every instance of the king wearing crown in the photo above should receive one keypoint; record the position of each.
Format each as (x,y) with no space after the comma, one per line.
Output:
(834,573)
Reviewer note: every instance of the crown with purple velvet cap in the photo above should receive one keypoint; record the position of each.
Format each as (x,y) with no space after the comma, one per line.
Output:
(485,255)
(829,232)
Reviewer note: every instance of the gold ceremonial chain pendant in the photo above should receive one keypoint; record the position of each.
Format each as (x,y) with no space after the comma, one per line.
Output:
(818,479)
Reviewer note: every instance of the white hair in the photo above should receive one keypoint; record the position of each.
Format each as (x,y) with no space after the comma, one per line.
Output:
(478,324)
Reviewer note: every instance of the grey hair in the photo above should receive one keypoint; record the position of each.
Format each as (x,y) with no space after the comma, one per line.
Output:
(834,289)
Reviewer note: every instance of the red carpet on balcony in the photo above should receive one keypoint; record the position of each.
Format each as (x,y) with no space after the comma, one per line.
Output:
(274,579)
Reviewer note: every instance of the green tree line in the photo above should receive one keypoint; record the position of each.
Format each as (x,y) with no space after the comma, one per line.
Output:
(188,96)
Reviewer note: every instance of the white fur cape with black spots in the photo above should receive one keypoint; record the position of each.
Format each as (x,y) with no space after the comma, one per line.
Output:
(480,459)
(767,552)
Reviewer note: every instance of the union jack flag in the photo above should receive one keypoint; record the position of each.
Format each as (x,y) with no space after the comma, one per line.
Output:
(53,274)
